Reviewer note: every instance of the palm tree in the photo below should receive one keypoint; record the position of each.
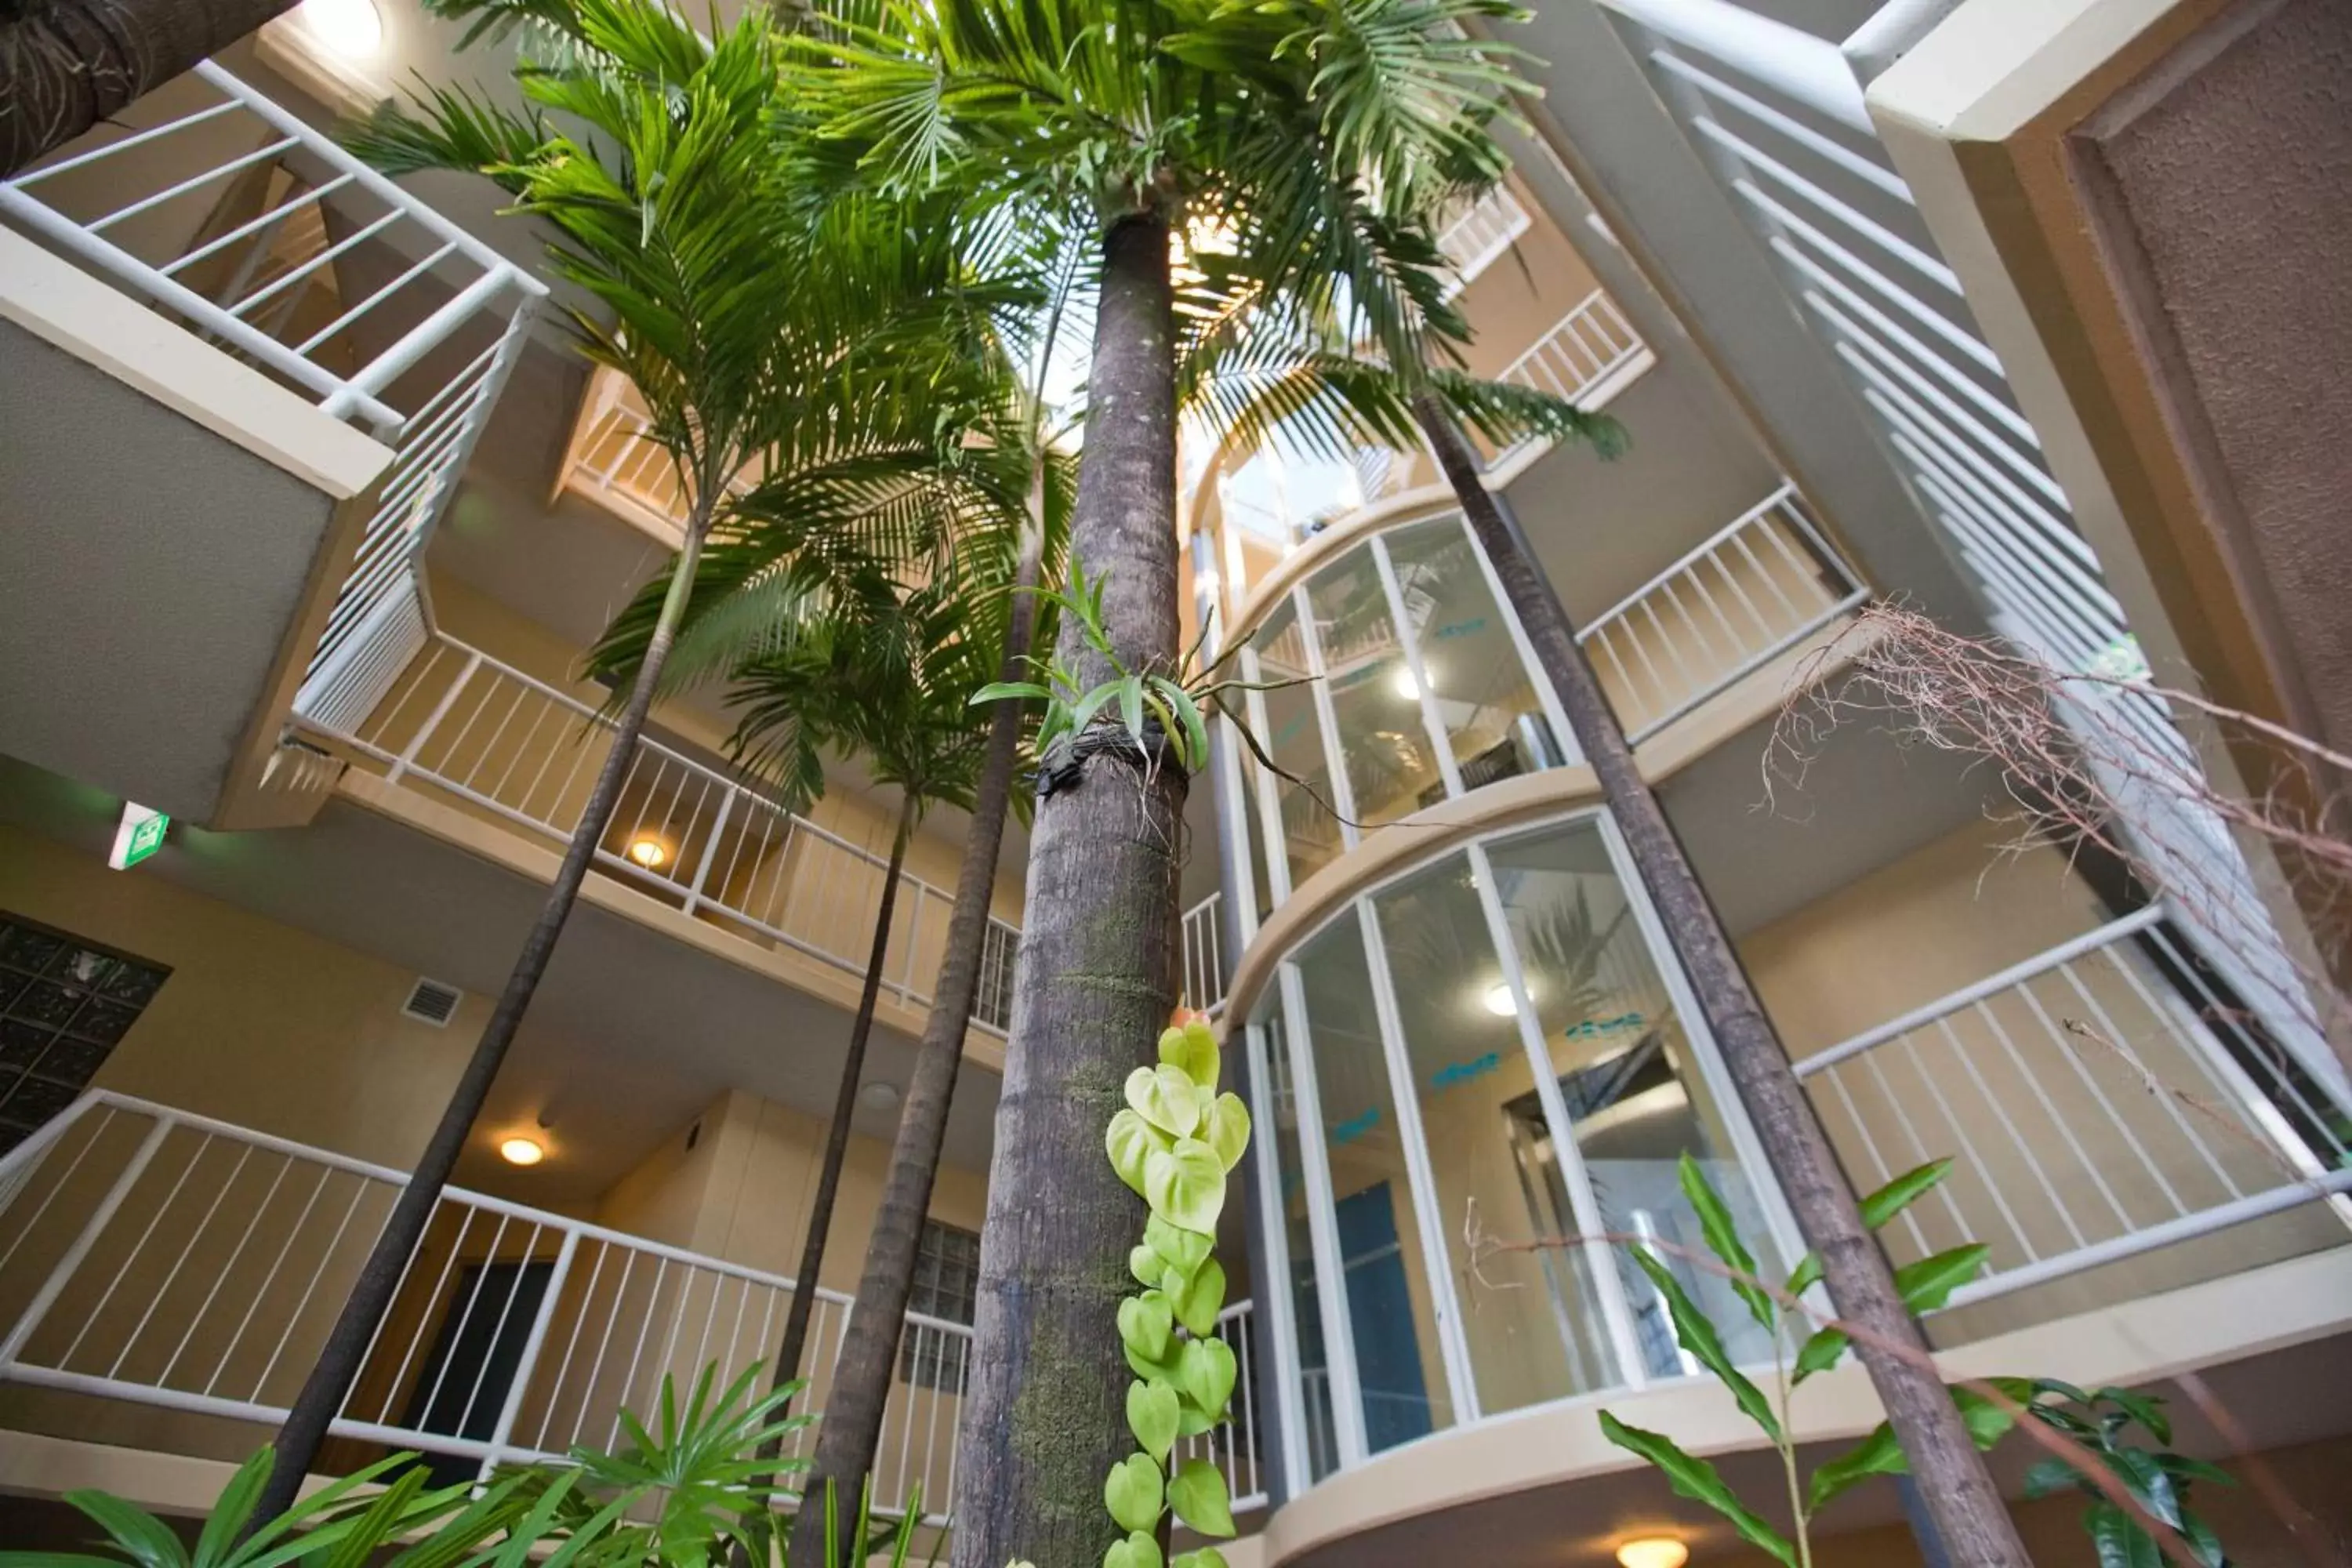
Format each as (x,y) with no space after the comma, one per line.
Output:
(66,65)
(1167,119)
(745,327)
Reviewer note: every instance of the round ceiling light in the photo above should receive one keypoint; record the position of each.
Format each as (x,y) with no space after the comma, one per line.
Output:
(1499,1001)
(1405,685)
(1654,1552)
(648,851)
(879,1095)
(521,1151)
(352,28)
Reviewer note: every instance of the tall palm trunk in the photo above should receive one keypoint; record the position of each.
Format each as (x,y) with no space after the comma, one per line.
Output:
(339,1362)
(1959,1494)
(845,1106)
(65,65)
(852,1428)
(1043,1420)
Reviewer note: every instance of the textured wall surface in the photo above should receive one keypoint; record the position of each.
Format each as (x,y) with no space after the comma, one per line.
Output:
(2233,163)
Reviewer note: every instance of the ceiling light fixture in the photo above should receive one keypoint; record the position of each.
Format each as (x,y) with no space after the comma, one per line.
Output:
(521,1151)
(1500,1000)
(1405,685)
(1654,1552)
(879,1095)
(353,29)
(648,851)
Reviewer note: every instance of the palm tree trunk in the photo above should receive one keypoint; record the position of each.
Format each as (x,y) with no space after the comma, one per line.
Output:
(1043,1420)
(852,1428)
(339,1362)
(845,1106)
(1959,1493)
(65,65)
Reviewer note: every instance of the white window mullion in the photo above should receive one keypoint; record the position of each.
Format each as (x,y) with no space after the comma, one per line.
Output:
(1441,748)
(1323,1224)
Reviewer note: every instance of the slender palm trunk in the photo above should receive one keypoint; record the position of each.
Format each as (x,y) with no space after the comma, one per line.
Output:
(339,1362)
(1044,1420)
(1958,1492)
(852,1428)
(65,65)
(845,1106)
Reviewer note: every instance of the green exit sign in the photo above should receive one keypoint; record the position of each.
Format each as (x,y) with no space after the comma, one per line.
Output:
(140,834)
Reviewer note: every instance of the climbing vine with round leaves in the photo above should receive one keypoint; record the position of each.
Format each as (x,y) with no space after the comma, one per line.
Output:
(1175,1142)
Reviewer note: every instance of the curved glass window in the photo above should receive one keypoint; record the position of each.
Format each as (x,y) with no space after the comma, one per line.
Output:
(1489,1049)
(1407,684)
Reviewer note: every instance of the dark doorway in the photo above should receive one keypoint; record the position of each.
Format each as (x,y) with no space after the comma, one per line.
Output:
(475,1357)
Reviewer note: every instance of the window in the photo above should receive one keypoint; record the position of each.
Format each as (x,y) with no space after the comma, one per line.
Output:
(64,1003)
(947,1286)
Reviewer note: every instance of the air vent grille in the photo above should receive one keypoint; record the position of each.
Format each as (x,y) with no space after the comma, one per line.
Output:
(430,1002)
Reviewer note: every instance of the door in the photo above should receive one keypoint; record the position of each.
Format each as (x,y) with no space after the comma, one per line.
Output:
(476,1354)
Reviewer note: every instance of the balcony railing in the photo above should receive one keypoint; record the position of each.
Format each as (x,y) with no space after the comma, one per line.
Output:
(1204,956)
(713,846)
(218,216)
(2095,1114)
(1586,356)
(1480,235)
(172,1261)
(1757,588)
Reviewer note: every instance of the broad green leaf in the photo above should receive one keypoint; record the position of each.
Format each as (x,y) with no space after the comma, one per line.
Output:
(1877,1454)
(1132,1492)
(2147,1482)
(1205,1373)
(1902,1192)
(144,1538)
(2049,1477)
(1131,1141)
(2149,1412)
(999,690)
(2119,1542)
(1987,1420)
(1189,730)
(1186,1185)
(1696,1480)
(1206,1557)
(1226,1128)
(1130,706)
(1822,1350)
(1805,1275)
(1192,1049)
(1147,1266)
(1199,1299)
(1145,1322)
(1928,1282)
(1166,1097)
(1139,1549)
(1722,1234)
(1694,1331)
(1184,1250)
(1152,1411)
(1197,1492)
(232,1509)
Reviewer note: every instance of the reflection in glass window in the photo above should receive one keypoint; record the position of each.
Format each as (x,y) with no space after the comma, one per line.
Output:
(1287,1170)
(1294,740)
(1635,1101)
(1399,1367)
(1470,663)
(1392,770)
(1535,1331)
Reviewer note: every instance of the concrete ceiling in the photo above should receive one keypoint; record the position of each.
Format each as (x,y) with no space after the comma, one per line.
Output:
(148,569)
(632,1033)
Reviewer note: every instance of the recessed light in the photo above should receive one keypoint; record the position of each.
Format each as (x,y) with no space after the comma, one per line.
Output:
(1405,685)
(520,1150)
(1500,1000)
(648,851)
(352,28)
(1654,1552)
(879,1095)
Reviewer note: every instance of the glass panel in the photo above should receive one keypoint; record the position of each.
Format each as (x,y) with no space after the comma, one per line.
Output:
(1254,835)
(1534,1327)
(1488,706)
(1298,1239)
(1636,1102)
(1392,769)
(1294,739)
(1399,1365)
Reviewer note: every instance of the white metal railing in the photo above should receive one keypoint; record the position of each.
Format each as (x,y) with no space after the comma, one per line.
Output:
(1204,956)
(171,1260)
(1233,1446)
(1780,119)
(1753,590)
(2095,1114)
(1480,235)
(709,843)
(1583,359)
(220,216)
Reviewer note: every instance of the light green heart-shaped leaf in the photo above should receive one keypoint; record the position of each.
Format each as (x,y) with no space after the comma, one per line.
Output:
(1205,1372)
(1130,1141)
(1206,1557)
(1153,1413)
(1186,1186)
(1165,1098)
(1197,1492)
(1146,1266)
(1193,1050)
(1136,1551)
(1132,1492)
(1183,1250)
(1199,1299)
(1225,1127)
(1194,1422)
(1145,1322)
